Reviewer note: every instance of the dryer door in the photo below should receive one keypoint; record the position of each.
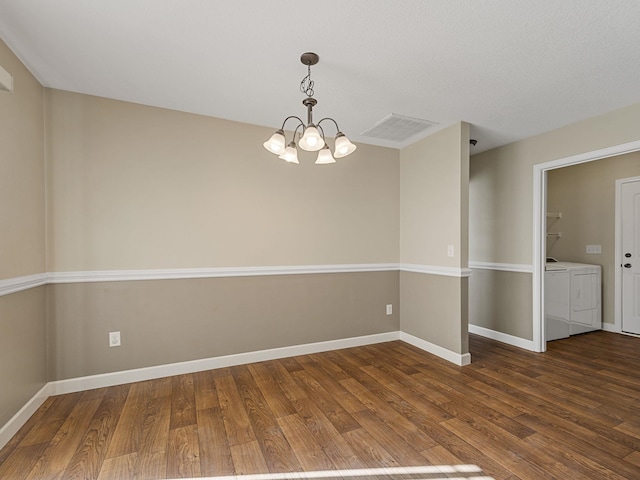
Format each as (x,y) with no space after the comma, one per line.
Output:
(585,298)
(556,304)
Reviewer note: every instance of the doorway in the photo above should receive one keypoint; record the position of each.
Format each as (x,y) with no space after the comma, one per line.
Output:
(539,214)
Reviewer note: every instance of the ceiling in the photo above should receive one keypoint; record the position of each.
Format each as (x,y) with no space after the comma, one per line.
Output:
(511,68)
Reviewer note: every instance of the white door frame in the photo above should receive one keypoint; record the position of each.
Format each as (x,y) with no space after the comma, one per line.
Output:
(618,257)
(539,228)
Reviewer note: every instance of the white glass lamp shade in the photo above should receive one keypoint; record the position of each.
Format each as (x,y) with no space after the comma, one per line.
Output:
(311,140)
(325,157)
(291,154)
(343,146)
(276,144)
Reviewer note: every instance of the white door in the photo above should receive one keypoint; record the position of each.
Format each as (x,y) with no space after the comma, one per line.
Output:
(630,224)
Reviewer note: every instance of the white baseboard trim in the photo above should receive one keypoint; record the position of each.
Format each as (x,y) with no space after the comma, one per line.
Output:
(159,371)
(503,337)
(610,327)
(453,357)
(9,429)
(141,374)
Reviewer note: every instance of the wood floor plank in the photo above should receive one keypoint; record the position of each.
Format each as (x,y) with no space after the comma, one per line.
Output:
(440,456)
(183,401)
(501,452)
(144,405)
(59,451)
(57,412)
(331,408)
(205,390)
(275,449)
(236,421)
(308,452)
(326,435)
(607,453)
(392,417)
(183,453)
(215,454)
(369,450)
(567,464)
(129,428)
(151,461)
(287,383)
(21,461)
(419,401)
(633,458)
(278,401)
(122,467)
(37,419)
(404,452)
(325,381)
(88,458)
(248,459)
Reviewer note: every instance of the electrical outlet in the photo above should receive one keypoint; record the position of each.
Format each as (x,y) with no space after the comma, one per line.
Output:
(450,251)
(114,339)
(389,309)
(594,249)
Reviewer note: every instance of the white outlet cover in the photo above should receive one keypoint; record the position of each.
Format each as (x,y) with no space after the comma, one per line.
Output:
(594,249)
(114,339)
(389,309)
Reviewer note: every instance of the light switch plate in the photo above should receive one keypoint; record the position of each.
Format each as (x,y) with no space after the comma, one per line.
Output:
(6,80)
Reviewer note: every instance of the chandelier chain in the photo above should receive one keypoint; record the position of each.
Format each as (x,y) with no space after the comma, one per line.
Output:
(306,85)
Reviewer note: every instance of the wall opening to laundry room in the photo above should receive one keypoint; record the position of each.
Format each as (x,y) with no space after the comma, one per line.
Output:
(574,202)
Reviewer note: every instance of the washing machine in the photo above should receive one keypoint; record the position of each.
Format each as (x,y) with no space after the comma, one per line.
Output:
(573,299)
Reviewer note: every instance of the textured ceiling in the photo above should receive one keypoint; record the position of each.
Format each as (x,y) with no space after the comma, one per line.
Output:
(512,68)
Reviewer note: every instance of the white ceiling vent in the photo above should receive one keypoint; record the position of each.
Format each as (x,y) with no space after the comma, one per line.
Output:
(398,128)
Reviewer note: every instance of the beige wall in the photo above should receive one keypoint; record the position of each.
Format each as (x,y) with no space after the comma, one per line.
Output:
(23,348)
(434,199)
(501,301)
(22,238)
(433,214)
(501,193)
(170,321)
(435,309)
(501,182)
(585,194)
(137,187)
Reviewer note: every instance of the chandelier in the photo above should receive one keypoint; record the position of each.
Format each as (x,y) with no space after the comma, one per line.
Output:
(311,137)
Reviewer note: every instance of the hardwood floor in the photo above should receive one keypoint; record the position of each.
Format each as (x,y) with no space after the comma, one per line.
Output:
(570,413)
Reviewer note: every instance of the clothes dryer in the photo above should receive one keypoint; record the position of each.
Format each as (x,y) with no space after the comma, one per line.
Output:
(573,296)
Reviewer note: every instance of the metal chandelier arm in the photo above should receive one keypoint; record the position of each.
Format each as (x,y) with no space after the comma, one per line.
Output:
(289,118)
(334,122)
